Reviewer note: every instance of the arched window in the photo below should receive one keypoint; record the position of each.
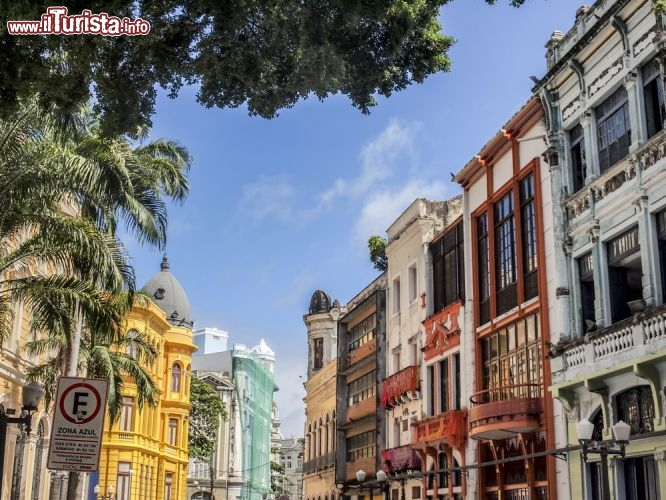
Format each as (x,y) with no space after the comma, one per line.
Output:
(131,349)
(37,473)
(636,408)
(175,377)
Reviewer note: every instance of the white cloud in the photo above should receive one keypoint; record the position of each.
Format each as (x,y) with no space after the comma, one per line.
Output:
(378,160)
(269,196)
(384,206)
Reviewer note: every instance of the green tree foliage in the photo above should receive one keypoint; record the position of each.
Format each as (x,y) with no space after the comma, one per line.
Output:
(377,248)
(205,415)
(268,55)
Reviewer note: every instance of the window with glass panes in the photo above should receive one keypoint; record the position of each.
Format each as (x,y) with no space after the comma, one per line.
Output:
(529,237)
(653,98)
(483,265)
(512,361)
(505,253)
(613,129)
(361,445)
(448,268)
(362,333)
(636,408)
(362,388)
(318,358)
(586,280)
(126,414)
(577,153)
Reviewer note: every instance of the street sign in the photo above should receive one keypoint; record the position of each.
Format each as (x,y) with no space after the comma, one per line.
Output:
(78,423)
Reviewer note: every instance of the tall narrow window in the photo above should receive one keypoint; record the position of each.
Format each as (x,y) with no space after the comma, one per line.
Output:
(483,257)
(577,151)
(661,247)
(529,237)
(625,273)
(126,414)
(396,296)
(444,385)
(641,478)
(653,97)
(131,349)
(613,129)
(454,280)
(168,480)
(318,354)
(505,254)
(586,277)
(175,377)
(124,478)
(431,392)
(413,285)
(456,381)
(173,432)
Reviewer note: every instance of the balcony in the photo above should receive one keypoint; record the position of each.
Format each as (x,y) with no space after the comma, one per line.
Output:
(626,341)
(402,458)
(442,331)
(361,352)
(319,463)
(450,427)
(403,384)
(502,412)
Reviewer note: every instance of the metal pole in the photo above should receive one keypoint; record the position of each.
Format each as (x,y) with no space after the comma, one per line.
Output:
(3,444)
(605,482)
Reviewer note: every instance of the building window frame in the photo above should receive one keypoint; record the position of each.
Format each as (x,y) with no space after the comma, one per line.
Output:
(506,258)
(361,445)
(176,375)
(577,157)
(653,98)
(362,388)
(613,129)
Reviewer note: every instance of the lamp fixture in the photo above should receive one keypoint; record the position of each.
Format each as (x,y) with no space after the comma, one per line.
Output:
(621,433)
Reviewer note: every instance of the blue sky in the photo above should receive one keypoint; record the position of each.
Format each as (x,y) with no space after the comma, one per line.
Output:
(279,208)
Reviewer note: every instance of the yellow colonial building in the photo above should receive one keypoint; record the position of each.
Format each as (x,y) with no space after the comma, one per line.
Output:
(144,454)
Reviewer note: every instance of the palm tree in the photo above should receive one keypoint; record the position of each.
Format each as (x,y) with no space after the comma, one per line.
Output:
(64,191)
(114,356)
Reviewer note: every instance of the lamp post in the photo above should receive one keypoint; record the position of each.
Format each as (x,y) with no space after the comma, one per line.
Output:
(621,432)
(196,484)
(110,491)
(31,395)
(383,483)
(381,480)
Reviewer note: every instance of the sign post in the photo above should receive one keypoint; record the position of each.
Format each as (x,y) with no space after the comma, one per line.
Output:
(78,422)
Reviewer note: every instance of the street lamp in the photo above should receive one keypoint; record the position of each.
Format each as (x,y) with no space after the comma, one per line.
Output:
(383,483)
(621,432)
(381,479)
(110,490)
(31,396)
(196,484)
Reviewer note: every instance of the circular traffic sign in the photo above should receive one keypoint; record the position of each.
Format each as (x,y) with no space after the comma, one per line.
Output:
(71,400)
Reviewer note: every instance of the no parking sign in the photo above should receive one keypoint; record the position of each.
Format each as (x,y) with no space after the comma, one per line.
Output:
(78,423)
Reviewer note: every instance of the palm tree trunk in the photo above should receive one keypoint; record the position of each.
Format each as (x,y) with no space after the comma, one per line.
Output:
(75,485)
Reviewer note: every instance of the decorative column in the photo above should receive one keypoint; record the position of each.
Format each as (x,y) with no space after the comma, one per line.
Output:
(637,134)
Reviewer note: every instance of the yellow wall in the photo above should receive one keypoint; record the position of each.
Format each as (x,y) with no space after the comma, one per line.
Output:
(146,446)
